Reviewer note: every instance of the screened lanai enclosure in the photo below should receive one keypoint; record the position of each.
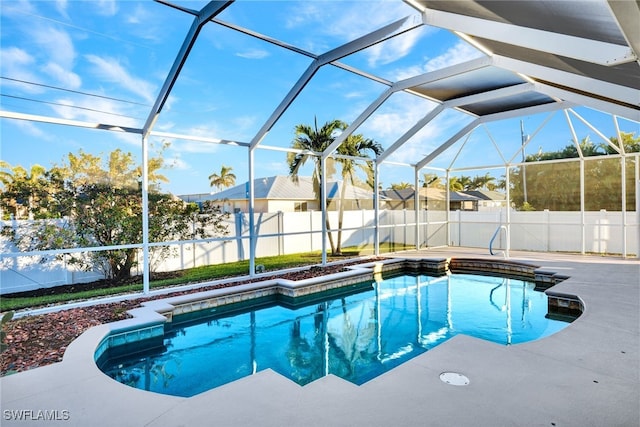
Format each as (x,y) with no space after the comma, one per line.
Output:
(143,137)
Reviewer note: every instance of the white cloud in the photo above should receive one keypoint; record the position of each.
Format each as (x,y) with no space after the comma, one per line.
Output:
(10,8)
(111,70)
(302,13)
(401,112)
(66,78)
(15,56)
(56,43)
(137,15)
(146,23)
(353,95)
(348,21)
(61,7)
(18,64)
(98,110)
(177,163)
(197,147)
(253,54)
(276,168)
(242,125)
(396,48)
(107,7)
(51,51)
(30,128)
(352,20)
(165,126)
(185,146)
(431,137)
(458,53)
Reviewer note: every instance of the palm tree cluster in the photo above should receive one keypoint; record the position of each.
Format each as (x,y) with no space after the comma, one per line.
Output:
(466,183)
(312,142)
(456,183)
(21,188)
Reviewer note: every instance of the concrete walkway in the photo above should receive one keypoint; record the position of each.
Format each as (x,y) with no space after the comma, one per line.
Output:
(586,375)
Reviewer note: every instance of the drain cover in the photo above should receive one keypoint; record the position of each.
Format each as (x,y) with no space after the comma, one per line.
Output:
(454,378)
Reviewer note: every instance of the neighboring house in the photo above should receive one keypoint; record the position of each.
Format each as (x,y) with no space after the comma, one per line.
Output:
(489,200)
(461,201)
(280,193)
(430,199)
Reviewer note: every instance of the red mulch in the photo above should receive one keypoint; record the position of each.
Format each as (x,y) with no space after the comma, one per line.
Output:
(35,341)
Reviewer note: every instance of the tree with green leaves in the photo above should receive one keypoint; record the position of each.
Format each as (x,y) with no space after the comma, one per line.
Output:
(630,143)
(460,183)
(482,181)
(99,203)
(556,186)
(432,180)
(312,141)
(224,179)
(21,189)
(400,186)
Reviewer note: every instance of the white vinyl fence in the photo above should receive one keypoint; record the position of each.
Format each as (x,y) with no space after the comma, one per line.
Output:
(600,232)
(282,233)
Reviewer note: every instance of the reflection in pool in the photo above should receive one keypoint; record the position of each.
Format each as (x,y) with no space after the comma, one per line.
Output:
(356,336)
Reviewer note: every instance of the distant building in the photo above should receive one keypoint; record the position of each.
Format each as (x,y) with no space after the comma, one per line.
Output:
(432,199)
(489,200)
(280,193)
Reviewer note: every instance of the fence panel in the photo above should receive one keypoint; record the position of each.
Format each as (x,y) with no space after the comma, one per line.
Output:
(294,232)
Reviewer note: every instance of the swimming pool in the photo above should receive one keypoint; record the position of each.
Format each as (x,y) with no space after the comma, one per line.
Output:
(358,334)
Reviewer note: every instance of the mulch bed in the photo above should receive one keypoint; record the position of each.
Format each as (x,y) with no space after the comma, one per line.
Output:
(41,340)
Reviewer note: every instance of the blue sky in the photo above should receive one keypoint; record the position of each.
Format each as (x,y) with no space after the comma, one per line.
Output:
(105,61)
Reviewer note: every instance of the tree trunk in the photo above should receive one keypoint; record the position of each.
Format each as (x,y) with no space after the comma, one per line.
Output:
(122,270)
(333,246)
(341,217)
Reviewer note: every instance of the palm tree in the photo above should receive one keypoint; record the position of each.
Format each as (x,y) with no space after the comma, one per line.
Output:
(432,180)
(313,141)
(401,186)
(224,179)
(458,183)
(484,181)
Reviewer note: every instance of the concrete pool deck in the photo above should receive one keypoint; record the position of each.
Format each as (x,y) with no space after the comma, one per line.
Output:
(585,375)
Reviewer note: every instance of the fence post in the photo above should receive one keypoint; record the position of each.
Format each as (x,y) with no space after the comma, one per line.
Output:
(240,244)
(547,224)
(404,234)
(280,233)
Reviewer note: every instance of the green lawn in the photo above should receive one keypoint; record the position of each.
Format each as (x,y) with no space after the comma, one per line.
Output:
(193,275)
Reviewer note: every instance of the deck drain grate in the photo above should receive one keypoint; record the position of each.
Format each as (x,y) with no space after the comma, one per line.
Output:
(454,378)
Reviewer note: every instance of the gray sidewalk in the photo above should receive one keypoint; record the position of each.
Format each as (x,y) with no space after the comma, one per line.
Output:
(586,375)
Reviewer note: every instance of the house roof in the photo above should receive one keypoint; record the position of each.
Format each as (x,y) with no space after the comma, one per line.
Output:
(429,193)
(459,196)
(282,187)
(487,195)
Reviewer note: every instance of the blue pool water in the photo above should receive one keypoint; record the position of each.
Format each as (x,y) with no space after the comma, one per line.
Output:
(356,337)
